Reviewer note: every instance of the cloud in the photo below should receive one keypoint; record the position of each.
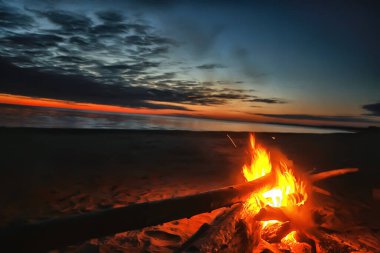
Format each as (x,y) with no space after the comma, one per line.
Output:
(211,66)
(108,58)
(160,77)
(105,46)
(71,59)
(109,29)
(337,118)
(11,18)
(110,16)
(153,4)
(31,40)
(148,40)
(33,82)
(136,69)
(374,109)
(156,52)
(70,22)
(268,100)
(79,41)
(138,28)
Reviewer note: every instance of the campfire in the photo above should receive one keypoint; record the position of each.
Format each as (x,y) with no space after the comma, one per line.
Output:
(277,215)
(280,216)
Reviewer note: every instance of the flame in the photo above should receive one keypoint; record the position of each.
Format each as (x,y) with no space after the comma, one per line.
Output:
(288,192)
(290,238)
(260,161)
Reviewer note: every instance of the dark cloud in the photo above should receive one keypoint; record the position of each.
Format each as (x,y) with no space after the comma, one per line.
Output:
(109,28)
(116,67)
(131,70)
(153,4)
(33,82)
(141,66)
(158,51)
(80,41)
(31,40)
(374,109)
(138,28)
(337,118)
(211,66)
(148,40)
(84,47)
(12,18)
(166,76)
(203,93)
(110,16)
(70,59)
(70,22)
(268,100)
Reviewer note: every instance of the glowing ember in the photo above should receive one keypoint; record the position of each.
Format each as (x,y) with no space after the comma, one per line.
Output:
(290,238)
(288,193)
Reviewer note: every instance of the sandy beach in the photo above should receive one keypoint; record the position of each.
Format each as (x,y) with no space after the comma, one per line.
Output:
(48,173)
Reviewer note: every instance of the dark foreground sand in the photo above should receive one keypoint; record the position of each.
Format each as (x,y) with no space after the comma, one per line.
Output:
(52,173)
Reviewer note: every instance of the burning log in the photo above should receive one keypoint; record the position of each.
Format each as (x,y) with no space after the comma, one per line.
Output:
(227,233)
(271,213)
(60,232)
(275,232)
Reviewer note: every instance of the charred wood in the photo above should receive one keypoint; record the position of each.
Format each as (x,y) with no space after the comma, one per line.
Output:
(275,232)
(227,233)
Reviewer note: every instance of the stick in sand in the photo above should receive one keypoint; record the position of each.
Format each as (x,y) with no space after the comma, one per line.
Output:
(232,141)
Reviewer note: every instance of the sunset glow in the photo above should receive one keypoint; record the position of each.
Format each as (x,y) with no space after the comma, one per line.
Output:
(198,111)
(62,104)
(185,59)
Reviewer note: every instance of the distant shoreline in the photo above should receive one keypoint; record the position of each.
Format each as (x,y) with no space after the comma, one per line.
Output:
(115,131)
(322,127)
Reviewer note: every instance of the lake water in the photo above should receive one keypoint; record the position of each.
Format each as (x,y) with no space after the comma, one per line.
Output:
(13,116)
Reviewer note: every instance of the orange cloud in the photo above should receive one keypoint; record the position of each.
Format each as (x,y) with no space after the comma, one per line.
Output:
(198,111)
(215,112)
(64,104)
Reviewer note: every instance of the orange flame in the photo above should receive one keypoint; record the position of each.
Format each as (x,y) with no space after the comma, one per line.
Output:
(288,192)
(260,162)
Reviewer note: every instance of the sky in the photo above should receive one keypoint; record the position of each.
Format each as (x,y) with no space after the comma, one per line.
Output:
(297,62)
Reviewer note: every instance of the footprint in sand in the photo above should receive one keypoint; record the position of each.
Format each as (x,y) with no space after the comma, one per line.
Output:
(164,236)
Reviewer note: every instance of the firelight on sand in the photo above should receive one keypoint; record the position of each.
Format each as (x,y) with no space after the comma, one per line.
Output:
(289,191)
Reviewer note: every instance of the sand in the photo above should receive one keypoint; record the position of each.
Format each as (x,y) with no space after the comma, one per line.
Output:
(53,173)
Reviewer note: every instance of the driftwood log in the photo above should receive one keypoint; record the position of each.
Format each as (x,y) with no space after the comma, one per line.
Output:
(60,232)
(331,173)
(56,233)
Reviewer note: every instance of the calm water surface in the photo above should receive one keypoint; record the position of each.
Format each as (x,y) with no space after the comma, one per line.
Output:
(51,118)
